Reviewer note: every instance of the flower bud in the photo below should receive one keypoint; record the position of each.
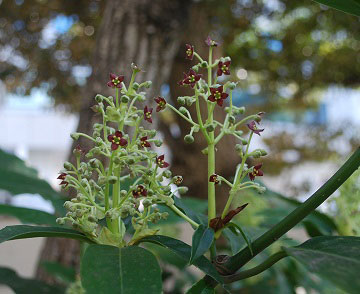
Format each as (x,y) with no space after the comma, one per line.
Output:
(112,179)
(231,119)
(123,193)
(136,86)
(96,133)
(125,99)
(210,127)
(75,136)
(147,84)
(183,190)
(147,202)
(167,189)
(238,133)
(244,142)
(60,221)
(232,86)
(183,110)
(164,215)
(84,182)
(189,139)
(99,98)
(94,163)
(181,100)
(101,180)
(167,174)
(196,67)
(67,165)
(158,143)
(263,152)
(152,133)
(204,64)
(189,101)
(256,154)
(95,108)
(130,160)
(140,98)
(92,219)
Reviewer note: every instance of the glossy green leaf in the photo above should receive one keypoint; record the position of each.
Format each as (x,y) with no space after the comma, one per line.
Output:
(184,251)
(28,216)
(17,178)
(60,272)
(347,6)
(21,285)
(108,269)
(334,258)
(201,242)
(23,232)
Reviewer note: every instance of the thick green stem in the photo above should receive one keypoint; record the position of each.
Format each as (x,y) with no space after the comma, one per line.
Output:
(295,217)
(257,269)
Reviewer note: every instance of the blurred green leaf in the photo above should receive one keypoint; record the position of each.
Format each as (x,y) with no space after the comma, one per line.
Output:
(347,6)
(108,269)
(23,232)
(334,258)
(28,215)
(184,251)
(17,178)
(201,288)
(59,271)
(21,285)
(201,242)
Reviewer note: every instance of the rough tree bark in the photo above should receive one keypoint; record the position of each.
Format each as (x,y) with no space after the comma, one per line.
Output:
(146,32)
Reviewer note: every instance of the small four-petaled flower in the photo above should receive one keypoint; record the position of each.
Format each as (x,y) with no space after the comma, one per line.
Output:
(253,127)
(214,179)
(191,78)
(223,68)
(161,104)
(144,142)
(160,161)
(257,172)
(117,140)
(115,81)
(148,114)
(189,51)
(139,191)
(62,177)
(210,42)
(217,95)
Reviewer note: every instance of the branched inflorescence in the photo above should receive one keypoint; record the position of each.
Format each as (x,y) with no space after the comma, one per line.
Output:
(135,179)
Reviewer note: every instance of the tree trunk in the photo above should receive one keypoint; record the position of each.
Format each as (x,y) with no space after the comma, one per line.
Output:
(146,32)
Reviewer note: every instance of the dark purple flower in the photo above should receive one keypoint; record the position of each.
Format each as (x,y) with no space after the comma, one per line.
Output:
(62,177)
(139,191)
(253,127)
(117,140)
(161,103)
(223,68)
(115,81)
(189,51)
(218,223)
(210,42)
(190,78)
(148,114)
(257,172)
(214,179)
(160,161)
(144,143)
(217,95)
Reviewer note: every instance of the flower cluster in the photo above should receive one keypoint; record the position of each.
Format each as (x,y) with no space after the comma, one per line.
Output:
(132,182)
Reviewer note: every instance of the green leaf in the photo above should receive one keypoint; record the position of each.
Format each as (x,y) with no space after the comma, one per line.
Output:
(201,288)
(26,286)
(201,242)
(22,232)
(17,178)
(347,6)
(28,216)
(59,271)
(184,251)
(334,258)
(108,269)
